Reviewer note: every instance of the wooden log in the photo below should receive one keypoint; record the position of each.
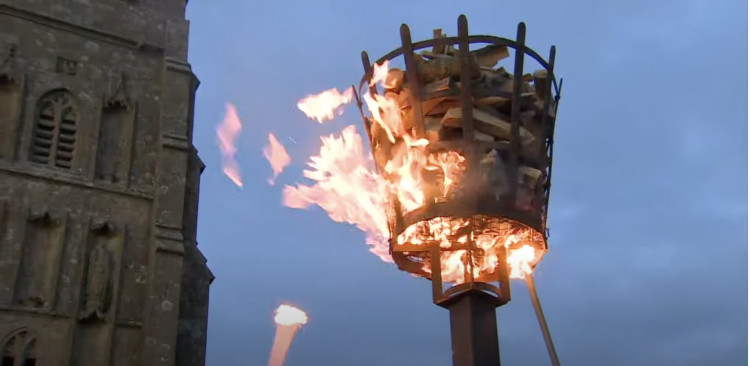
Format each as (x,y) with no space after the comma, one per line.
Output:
(408,121)
(430,104)
(539,105)
(437,86)
(429,55)
(490,55)
(487,123)
(529,176)
(394,80)
(432,128)
(493,112)
(480,136)
(448,133)
(540,83)
(439,47)
(452,117)
(492,100)
(529,179)
(440,68)
(529,121)
(404,98)
(444,106)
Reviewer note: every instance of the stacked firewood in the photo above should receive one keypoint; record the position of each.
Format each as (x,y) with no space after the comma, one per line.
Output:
(438,71)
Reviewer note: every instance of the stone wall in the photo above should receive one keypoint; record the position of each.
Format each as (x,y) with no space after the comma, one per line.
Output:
(99,185)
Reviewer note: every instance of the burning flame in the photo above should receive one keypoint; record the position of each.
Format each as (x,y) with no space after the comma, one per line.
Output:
(323,106)
(379,73)
(290,315)
(226,133)
(519,261)
(348,188)
(288,321)
(277,156)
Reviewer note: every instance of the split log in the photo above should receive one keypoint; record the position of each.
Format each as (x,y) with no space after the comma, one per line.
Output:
(529,179)
(493,100)
(437,86)
(430,104)
(440,68)
(404,98)
(480,136)
(444,106)
(529,176)
(452,117)
(429,55)
(448,133)
(551,112)
(540,83)
(489,56)
(487,123)
(394,80)
(439,48)
(529,121)
(432,127)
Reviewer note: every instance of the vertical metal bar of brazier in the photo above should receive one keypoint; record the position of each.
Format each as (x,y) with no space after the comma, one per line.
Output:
(474,329)
(542,160)
(413,79)
(515,114)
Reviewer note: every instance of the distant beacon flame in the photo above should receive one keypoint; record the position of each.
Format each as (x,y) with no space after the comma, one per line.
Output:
(289,320)
(226,134)
(276,156)
(289,315)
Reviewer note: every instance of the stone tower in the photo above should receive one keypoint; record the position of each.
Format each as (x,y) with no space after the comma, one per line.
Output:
(99,186)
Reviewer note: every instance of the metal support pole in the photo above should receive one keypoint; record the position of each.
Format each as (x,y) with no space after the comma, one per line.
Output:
(474,329)
(542,321)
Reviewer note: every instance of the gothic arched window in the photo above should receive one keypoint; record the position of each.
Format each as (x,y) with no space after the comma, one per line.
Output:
(54,137)
(19,349)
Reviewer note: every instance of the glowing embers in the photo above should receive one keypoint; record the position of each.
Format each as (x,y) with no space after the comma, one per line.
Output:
(471,249)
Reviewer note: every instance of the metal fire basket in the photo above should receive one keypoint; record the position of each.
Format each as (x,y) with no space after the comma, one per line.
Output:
(481,212)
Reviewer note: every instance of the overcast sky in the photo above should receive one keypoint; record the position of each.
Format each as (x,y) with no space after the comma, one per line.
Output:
(648,252)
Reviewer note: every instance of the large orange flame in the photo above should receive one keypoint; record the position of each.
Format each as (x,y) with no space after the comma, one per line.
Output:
(276,156)
(226,133)
(348,187)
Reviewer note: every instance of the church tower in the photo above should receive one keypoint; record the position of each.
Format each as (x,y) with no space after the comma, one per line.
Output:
(99,179)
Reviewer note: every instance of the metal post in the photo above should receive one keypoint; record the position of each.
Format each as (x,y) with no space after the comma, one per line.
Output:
(474,329)
(542,321)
